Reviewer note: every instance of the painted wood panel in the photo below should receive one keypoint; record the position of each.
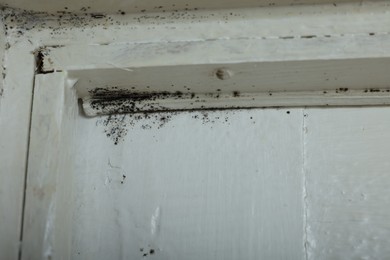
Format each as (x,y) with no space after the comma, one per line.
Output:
(230,188)
(211,185)
(15,111)
(61,209)
(347,180)
(48,196)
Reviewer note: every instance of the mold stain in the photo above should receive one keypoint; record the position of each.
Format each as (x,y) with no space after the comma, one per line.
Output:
(114,100)
(128,110)
(18,21)
(145,252)
(117,126)
(21,21)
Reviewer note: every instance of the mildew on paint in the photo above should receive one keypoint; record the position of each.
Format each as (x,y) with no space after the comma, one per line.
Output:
(147,6)
(116,126)
(115,100)
(18,21)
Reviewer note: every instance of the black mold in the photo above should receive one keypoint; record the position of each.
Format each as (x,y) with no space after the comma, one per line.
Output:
(116,127)
(116,100)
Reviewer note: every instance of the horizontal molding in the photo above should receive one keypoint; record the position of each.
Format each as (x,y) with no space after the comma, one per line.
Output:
(217,51)
(301,68)
(158,102)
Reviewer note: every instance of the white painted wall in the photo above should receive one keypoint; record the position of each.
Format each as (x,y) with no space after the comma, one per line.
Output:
(308,184)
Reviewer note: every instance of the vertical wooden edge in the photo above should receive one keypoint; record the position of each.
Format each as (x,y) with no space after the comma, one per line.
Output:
(15,105)
(55,105)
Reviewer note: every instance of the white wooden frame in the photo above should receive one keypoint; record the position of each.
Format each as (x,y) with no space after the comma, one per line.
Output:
(318,71)
(357,32)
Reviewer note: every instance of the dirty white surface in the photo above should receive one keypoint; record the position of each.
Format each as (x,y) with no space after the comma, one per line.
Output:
(318,193)
(172,186)
(136,6)
(268,62)
(192,189)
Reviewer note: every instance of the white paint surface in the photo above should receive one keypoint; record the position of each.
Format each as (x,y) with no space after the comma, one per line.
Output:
(76,202)
(15,109)
(190,189)
(347,181)
(48,199)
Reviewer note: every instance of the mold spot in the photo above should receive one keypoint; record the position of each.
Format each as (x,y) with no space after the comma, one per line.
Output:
(114,100)
(116,127)
(98,16)
(39,57)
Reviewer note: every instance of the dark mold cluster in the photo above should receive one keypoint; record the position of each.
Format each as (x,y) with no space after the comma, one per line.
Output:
(145,252)
(116,101)
(19,21)
(116,126)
